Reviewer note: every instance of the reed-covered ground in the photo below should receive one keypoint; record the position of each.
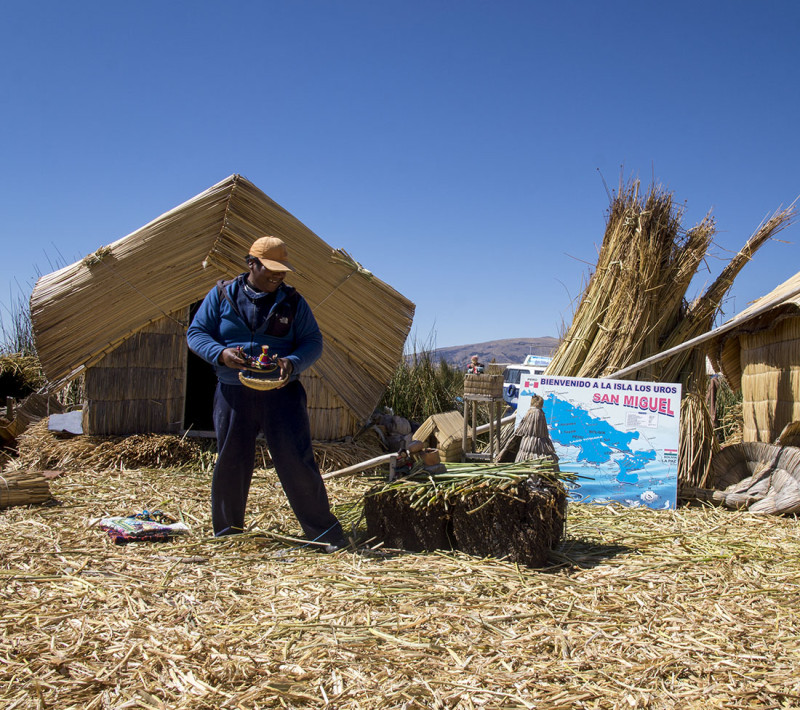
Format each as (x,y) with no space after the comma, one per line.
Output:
(694,608)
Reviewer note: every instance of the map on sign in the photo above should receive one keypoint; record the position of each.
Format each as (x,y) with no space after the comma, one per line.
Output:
(620,436)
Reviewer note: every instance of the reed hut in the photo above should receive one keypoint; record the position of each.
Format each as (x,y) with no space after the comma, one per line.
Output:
(443,432)
(761,356)
(119,317)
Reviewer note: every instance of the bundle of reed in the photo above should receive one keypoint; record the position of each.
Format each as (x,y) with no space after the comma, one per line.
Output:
(634,305)
(23,487)
(40,448)
(636,293)
(535,441)
(697,442)
(731,424)
(504,510)
(20,374)
(689,367)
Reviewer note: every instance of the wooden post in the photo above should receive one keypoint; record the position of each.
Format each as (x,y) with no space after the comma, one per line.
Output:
(494,418)
(499,415)
(493,427)
(474,438)
(491,431)
(464,438)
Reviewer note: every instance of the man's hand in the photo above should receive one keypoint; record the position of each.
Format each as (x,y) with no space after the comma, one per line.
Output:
(286,367)
(229,358)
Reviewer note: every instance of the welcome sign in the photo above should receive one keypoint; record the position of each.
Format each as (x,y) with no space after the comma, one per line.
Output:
(620,436)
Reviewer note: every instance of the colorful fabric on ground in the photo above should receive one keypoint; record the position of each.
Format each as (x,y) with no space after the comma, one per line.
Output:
(144,526)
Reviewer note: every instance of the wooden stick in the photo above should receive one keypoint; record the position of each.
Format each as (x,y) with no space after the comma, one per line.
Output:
(391,459)
(724,328)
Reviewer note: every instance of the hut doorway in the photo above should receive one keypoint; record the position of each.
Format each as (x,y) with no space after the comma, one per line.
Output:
(201,383)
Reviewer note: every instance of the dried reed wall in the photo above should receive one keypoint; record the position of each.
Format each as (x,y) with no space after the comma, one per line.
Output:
(140,386)
(770,365)
(330,419)
(724,351)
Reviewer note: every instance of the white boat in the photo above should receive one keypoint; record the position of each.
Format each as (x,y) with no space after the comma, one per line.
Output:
(514,374)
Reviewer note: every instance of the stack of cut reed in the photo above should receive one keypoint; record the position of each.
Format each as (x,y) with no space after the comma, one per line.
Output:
(513,510)
(634,305)
(698,444)
(483,385)
(23,488)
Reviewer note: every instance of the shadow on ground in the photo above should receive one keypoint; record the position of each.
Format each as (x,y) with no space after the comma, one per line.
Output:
(583,554)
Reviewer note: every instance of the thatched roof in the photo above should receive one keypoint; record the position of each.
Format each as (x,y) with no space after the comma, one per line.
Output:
(446,427)
(724,351)
(85,310)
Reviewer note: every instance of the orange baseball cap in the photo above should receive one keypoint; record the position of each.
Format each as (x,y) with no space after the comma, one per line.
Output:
(272,253)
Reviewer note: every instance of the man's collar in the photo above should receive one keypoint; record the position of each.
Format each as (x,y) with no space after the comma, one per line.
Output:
(253,293)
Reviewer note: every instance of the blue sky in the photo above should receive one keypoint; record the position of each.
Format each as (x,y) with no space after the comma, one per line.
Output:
(456,149)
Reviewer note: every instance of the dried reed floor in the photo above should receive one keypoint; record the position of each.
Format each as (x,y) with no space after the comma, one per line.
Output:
(641,609)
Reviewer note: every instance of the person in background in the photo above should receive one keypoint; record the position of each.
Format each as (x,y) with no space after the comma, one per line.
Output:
(474,367)
(255,309)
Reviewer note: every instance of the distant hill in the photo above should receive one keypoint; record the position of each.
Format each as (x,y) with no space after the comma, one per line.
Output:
(511,350)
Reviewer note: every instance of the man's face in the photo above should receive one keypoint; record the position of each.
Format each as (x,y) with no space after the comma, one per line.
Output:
(264,279)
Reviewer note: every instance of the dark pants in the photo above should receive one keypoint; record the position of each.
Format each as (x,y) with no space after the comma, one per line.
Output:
(239,414)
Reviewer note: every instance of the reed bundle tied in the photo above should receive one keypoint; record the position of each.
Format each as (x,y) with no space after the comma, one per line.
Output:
(635,306)
(635,295)
(731,425)
(462,480)
(22,487)
(698,442)
(513,510)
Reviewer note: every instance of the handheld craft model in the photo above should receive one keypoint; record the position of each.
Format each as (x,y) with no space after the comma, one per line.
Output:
(259,371)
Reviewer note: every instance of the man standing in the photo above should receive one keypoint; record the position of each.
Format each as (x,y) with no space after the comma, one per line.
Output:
(257,308)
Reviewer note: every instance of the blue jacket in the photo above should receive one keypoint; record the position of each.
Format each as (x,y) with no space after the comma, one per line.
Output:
(217,326)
